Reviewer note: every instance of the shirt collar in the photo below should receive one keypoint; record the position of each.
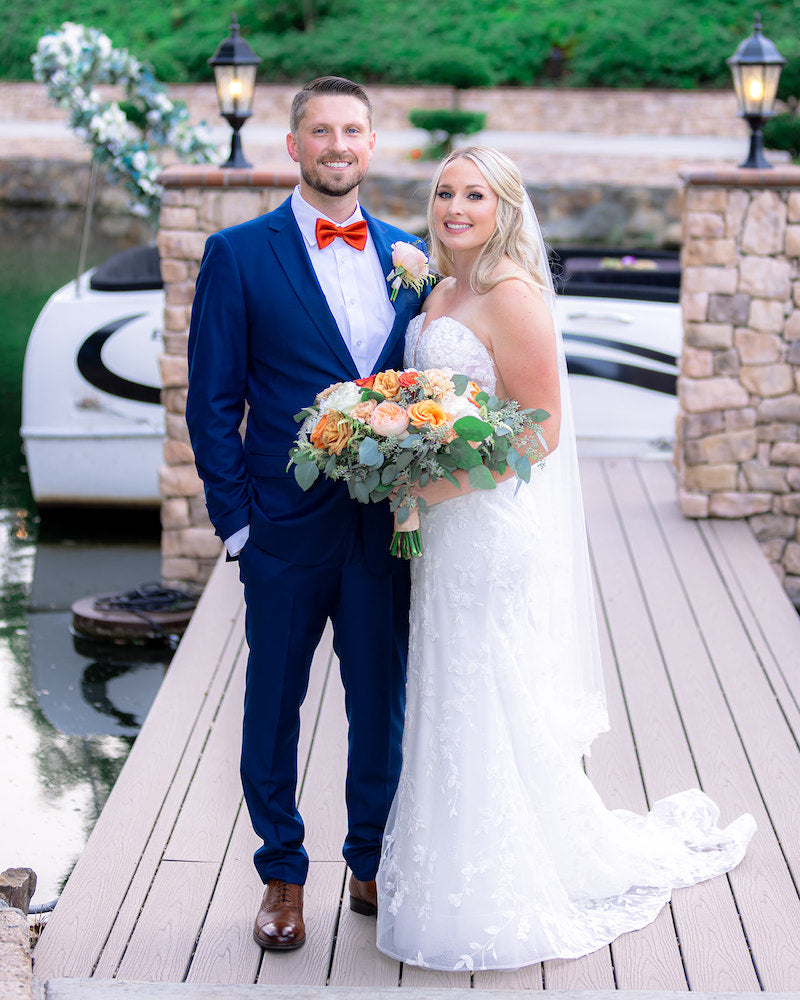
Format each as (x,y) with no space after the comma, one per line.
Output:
(306,216)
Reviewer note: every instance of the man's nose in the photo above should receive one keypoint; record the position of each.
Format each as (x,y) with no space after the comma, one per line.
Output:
(338,140)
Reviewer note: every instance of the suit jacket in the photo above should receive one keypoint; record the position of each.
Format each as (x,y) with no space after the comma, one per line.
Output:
(262,334)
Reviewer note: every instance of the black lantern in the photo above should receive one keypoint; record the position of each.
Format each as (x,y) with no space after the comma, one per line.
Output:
(756,66)
(234,65)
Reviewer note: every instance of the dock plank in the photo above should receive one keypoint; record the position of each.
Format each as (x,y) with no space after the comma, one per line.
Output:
(70,945)
(160,948)
(701,650)
(723,961)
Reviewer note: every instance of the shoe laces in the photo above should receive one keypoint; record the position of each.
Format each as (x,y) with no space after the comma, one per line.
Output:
(284,892)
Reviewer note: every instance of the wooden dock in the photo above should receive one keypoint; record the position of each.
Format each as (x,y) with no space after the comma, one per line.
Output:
(702,655)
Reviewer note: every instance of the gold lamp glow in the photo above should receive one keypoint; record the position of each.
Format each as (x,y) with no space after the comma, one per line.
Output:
(756,67)
(234,64)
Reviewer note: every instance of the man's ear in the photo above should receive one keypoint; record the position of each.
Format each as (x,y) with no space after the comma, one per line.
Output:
(291,145)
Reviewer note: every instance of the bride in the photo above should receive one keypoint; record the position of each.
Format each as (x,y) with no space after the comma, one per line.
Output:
(498,852)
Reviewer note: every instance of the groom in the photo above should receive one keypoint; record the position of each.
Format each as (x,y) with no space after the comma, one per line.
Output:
(285,305)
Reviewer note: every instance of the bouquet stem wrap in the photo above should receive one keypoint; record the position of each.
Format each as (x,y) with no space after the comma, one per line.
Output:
(406,541)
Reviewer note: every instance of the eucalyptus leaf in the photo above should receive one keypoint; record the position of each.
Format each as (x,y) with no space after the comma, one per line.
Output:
(523,468)
(446,461)
(369,453)
(481,397)
(465,456)
(404,459)
(372,480)
(450,478)
(472,429)
(401,515)
(421,504)
(306,474)
(361,492)
(330,465)
(424,479)
(389,472)
(410,441)
(481,479)
(539,416)
(460,383)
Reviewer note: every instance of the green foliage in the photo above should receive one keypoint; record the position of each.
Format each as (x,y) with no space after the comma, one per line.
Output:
(783,132)
(445,123)
(661,43)
(449,67)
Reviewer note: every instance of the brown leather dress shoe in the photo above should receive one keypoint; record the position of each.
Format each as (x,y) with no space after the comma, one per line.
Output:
(363,896)
(279,923)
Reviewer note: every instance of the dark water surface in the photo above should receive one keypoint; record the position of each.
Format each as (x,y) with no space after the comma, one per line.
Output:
(68,714)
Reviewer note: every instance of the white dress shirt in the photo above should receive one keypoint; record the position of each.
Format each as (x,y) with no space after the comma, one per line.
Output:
(357,292)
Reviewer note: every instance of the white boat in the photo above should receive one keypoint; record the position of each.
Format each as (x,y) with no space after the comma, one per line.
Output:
(92,420)
(93,426)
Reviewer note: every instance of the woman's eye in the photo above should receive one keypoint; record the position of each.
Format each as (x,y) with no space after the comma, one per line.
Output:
(443,194)
(475,195)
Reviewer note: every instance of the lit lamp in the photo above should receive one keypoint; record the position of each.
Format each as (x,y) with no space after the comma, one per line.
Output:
(234,65)
(756,66)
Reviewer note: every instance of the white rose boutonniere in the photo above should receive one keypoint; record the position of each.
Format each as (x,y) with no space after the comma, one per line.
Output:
(410,269)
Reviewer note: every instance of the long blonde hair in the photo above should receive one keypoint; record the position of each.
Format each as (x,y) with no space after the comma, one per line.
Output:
(511,237)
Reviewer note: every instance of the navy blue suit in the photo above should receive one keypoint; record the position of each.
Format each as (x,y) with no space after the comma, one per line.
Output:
(262,334)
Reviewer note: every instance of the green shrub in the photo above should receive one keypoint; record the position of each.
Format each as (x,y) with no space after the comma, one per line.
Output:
(444,124)
(783,132)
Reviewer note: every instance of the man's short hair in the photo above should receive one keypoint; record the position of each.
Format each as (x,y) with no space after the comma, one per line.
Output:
(325,85)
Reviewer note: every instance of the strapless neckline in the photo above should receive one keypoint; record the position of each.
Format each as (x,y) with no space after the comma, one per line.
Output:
(424,329)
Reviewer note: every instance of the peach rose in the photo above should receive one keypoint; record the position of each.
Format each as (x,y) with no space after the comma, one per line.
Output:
(387,384)
(427,412)
(411,259)
(388,419)
(363,410)
(439,382)
(336,433)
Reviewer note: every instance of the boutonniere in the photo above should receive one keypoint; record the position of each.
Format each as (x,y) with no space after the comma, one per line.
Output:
(410,269)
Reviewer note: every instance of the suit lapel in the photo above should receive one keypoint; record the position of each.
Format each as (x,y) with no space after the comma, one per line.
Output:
(287,242)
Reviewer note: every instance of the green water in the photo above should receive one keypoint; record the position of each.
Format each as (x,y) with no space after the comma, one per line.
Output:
(67,721)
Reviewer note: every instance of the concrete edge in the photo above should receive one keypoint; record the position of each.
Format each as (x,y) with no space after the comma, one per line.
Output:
(114,989)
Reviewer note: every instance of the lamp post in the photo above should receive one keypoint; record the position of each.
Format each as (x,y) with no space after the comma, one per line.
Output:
(756,67)
(234,64)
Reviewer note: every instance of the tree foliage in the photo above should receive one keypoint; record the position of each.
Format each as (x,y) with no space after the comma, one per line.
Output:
(609,43)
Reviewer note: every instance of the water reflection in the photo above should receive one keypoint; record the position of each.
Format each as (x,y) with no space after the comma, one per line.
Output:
(68,716)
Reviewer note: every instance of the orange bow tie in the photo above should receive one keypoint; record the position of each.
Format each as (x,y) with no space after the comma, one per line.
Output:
(354,235)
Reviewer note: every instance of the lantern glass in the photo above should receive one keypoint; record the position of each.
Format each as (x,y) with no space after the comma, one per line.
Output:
(235,87)
(756,86)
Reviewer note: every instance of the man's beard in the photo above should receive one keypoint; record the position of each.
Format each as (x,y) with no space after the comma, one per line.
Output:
(345,186)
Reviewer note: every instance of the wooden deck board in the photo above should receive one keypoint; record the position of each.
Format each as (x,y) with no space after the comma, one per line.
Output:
(701,650)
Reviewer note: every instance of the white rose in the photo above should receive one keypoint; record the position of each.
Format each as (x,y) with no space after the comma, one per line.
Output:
(343,399)
(459,406)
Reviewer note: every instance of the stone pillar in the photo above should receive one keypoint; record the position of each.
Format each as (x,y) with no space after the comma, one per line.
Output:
(738,434)
(197,201)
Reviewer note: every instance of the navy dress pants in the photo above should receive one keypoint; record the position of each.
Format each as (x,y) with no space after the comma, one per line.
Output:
(287,609)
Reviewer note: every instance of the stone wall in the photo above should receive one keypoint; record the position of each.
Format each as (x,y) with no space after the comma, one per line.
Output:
(197,201)
(738,435)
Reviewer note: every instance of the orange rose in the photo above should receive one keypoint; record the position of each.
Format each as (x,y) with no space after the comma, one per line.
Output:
(473,388)
(387,383)
(407,379)
(336,433)
(427,412)
(366,383)
(316,434)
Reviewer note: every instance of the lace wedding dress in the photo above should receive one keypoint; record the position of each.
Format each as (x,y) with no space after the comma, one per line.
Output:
(498,852)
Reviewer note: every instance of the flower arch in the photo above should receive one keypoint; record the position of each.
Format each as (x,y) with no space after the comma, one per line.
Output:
(123,135)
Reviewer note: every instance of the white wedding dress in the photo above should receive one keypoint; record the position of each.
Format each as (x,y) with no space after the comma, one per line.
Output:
(498,852)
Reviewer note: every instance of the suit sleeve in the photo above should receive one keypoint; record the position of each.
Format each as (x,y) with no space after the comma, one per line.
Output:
(218,352)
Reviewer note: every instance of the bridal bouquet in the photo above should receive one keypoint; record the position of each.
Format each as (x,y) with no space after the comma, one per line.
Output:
(381,435)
